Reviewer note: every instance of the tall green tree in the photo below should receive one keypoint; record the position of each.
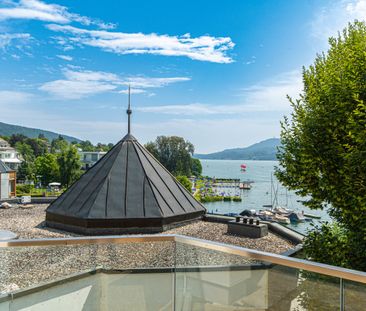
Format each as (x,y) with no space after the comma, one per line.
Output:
(25,151)
(86,146)
(323,153)
(39,146)
(59,145)
(196,167)
(174,153)
(69,165)
(14,138)
(47,168)
(26,170)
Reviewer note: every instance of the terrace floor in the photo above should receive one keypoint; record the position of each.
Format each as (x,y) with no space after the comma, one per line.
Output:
(29,223)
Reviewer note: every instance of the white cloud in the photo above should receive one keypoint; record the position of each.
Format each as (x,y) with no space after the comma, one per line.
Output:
(79,84)
(88,75)
(251,61)
(82,83)
(133,91)
(271,95)
(333,18)
(143,82)
(203,48)
(70,89)
(38,10)
(193,109)
(9,98)
(65,57)
(261,97)
(21,39)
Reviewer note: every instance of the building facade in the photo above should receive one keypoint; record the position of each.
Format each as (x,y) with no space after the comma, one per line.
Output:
(9,156)
(89,158)
(7,182)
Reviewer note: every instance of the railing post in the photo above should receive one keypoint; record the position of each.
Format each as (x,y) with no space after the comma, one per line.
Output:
(341,295)
(174,298)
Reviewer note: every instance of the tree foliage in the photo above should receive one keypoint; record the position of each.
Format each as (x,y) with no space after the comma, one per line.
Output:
(86,146)
(38,146)
(59,145)
(39,156)
(196,167)
(323,153)
(185,182)
(174,152)
(13,139)
(69,162)
(46,167)
(25,151)
(26,171)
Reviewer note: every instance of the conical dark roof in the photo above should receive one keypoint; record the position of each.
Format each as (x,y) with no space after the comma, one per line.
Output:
(127,190)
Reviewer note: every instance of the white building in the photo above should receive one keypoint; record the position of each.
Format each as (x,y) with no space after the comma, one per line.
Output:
(8,155)
(7,182)
(89,158)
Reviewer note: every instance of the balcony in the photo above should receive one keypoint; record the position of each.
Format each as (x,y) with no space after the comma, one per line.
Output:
(167,272)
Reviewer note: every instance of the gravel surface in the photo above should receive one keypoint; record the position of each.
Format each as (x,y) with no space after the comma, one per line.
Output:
(21,267)
(29,223)
(217,232)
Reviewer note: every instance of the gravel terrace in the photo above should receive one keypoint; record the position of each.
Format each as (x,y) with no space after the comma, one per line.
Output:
(21,267)
(29,223)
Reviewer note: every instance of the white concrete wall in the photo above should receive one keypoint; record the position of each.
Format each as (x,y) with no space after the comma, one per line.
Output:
(4,186)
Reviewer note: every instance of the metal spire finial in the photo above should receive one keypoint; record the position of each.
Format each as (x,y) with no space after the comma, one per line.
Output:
(129,111)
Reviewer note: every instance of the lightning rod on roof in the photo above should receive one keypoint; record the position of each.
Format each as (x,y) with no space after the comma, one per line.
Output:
(129,111)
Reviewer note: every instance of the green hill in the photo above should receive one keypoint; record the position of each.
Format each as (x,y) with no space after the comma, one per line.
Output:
(264,150)
(9,129)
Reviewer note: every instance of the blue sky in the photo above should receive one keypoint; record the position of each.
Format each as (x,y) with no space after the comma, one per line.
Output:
(216,73)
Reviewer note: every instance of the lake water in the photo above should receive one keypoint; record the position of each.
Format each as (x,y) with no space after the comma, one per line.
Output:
(260,172)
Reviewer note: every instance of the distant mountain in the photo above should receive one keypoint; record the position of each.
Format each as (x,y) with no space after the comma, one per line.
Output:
(9,129)
(264,150)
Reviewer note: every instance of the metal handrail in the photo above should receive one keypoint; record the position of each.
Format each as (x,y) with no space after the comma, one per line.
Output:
(312,266)
(296,263)
(110,239)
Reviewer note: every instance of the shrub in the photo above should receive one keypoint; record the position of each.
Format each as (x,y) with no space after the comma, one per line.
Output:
(185,182)
(24,189)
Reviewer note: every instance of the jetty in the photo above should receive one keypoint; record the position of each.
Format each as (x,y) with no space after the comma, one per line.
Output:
(207,189)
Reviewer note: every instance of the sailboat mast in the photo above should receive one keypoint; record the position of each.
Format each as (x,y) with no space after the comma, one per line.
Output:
(271,192)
